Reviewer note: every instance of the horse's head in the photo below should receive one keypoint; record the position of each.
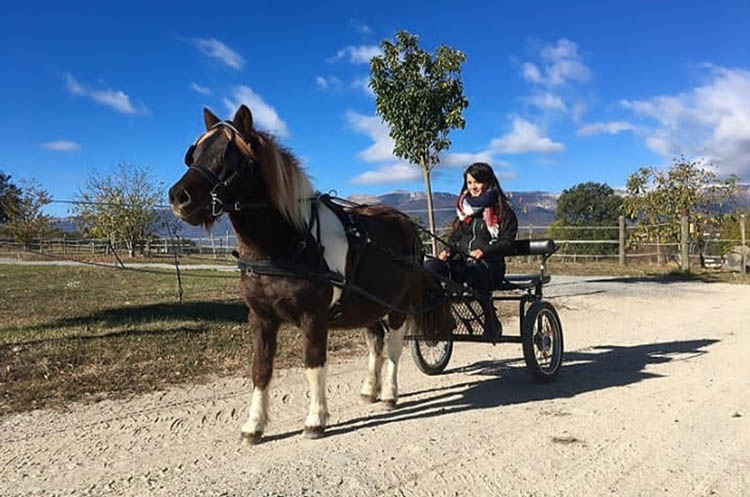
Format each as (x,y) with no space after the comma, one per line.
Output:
(219,164)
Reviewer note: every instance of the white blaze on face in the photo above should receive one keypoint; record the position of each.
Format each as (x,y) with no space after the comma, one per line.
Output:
(336,246)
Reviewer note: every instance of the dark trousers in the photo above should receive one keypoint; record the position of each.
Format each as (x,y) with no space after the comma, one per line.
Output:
(481,275)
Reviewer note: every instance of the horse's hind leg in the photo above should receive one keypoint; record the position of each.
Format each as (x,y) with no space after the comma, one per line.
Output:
(371,387)
(394,342)
(264,349)
(315,345)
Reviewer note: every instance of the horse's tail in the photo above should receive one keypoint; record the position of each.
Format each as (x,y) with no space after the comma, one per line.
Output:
(432,309)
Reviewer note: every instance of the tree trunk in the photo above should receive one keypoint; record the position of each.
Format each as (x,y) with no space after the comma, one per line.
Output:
(430,211)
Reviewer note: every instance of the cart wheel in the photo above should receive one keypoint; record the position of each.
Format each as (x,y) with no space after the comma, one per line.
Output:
(542,339)
(431,357)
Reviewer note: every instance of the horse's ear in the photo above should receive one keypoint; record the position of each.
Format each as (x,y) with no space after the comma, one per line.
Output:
(209,118)
(243,120)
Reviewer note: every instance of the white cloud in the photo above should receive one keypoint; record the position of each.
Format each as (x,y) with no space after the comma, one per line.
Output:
(525,137)
(611,128)
(61,146)
(560,63)
(395,173)
(363,84)
(360,27)
(547,101)
(116,99)
(710,121)
(200,89)
(357,55)
(219,51)
(381,151)
(377,130)
(462,159)
(324,83)
(264,115)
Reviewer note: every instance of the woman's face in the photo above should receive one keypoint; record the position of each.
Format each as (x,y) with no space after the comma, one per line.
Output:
(474,187)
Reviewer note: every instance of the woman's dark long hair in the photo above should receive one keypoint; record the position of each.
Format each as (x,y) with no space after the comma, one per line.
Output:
(483,173)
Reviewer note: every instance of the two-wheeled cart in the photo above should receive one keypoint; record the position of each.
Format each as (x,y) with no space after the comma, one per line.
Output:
(540,330)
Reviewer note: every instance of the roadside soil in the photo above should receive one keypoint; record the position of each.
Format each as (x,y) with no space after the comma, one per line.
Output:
(653,399)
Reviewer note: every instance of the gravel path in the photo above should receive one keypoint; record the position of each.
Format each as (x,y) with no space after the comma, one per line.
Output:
(653,399)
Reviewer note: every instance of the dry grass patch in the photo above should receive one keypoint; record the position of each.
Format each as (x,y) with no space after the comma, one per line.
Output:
(80,333)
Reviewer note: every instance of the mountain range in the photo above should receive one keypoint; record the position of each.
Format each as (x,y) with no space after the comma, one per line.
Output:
(535,208)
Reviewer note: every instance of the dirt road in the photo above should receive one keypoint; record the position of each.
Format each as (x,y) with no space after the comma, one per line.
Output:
(653,399)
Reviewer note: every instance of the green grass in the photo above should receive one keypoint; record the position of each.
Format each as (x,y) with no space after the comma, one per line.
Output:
(81,333)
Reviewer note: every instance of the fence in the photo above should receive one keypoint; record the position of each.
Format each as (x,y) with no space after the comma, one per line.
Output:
(614,243)
(215,246)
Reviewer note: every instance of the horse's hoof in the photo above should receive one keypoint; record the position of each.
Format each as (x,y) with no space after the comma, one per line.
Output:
(314,432)
(252,438)
(367,399)
(389,404)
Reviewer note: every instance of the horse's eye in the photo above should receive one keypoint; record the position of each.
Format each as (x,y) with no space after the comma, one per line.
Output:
(189,156)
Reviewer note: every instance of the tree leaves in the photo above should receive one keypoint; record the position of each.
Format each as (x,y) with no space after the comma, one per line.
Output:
(120,206)
(419,96)
(658,198)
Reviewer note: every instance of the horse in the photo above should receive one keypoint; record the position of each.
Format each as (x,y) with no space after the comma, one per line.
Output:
(279,221)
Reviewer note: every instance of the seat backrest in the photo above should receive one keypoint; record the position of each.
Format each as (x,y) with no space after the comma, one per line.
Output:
(534,247)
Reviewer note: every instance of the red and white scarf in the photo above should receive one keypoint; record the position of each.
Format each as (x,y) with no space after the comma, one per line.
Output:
(465,212)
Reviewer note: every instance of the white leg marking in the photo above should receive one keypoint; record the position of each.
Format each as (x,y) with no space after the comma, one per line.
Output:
(333,239)
(258,418)
(394,342)
(317,416)
(371,386)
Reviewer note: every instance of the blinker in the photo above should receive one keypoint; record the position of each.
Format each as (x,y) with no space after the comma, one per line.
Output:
(189,156)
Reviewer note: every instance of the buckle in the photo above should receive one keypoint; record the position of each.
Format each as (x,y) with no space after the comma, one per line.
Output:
(217,206)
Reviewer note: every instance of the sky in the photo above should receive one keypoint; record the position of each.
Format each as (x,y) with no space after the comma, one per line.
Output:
(559,92)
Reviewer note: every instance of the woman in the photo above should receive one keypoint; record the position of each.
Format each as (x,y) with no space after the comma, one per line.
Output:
(480,236)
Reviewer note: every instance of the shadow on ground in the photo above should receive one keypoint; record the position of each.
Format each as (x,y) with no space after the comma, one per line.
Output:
(502,383)
(138,316)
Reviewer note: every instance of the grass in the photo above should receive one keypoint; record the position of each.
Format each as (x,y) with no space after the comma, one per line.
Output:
(81,333)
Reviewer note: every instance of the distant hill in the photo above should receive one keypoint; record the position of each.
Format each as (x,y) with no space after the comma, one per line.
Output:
(532,208)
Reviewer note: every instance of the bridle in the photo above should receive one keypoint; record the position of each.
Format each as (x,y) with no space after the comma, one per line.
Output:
(220,184)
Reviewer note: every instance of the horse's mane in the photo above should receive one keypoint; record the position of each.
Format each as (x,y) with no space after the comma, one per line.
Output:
(289,188)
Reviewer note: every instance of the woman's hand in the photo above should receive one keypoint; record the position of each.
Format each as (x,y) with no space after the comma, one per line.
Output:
(477,254)
(444,255)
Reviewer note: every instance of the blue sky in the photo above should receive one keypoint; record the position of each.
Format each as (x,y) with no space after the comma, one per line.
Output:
(559,92)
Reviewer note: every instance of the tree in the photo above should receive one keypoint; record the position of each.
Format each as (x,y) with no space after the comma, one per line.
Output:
(7,190)
(121,206)
(587,204)
(421,99)
(658,198)
(23,207)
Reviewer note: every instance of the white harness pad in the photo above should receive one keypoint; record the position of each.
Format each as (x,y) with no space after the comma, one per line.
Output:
(334,243)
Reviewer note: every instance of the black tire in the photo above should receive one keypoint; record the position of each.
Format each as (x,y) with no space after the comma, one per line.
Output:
(542,339)
(431,357)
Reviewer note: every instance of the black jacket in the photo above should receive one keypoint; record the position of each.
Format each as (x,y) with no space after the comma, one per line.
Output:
(475,235)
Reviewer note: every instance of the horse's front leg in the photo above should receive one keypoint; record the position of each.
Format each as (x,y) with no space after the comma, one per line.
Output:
(264,333)
(394,342)
(315,332)
(371,386)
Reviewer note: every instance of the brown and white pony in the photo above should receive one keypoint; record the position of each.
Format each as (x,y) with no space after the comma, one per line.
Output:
(269,200)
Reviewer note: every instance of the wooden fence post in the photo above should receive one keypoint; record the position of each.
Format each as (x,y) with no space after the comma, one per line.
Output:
(622,240)
(742,237)
(684,255)
(531,235)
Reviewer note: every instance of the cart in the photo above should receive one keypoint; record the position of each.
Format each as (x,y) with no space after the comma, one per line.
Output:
(540,330)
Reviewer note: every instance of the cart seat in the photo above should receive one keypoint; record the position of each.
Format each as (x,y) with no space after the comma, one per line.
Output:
(534,247)
(522,281)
